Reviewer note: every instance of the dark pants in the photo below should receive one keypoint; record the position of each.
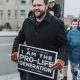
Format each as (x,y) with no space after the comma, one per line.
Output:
(30,76)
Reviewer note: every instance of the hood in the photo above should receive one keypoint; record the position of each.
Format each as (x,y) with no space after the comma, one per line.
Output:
(31,15)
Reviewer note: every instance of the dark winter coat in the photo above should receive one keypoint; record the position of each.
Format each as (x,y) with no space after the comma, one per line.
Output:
(49,34)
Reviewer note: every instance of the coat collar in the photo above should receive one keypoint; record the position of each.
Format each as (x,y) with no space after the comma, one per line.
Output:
(48,17)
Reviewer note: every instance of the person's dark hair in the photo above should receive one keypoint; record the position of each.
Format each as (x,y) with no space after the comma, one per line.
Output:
(45,1)
(74,20)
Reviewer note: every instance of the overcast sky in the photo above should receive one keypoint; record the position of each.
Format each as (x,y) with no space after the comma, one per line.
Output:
(72,7)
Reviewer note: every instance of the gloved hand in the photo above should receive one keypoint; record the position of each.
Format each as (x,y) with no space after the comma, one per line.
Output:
(14,57)
(58,65)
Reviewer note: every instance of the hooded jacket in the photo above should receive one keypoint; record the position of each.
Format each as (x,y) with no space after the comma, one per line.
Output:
(74,40)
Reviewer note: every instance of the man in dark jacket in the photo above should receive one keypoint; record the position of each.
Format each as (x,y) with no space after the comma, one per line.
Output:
(54,8)
(42,30)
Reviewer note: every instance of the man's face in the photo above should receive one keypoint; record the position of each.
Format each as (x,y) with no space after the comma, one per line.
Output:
(39,8)
(74,24)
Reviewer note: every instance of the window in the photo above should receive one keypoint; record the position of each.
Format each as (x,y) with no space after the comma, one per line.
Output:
(22,14)
(9,14)
(1,14)
(23,1)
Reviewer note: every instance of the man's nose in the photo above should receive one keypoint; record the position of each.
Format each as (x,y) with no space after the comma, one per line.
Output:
(36,7)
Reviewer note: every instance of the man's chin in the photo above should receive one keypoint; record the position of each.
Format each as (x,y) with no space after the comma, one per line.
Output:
(37,16)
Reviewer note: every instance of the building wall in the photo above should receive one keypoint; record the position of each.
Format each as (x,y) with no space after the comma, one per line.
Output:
(11,8)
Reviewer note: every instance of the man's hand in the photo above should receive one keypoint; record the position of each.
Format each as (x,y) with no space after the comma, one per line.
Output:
(58,65)
(14,57)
